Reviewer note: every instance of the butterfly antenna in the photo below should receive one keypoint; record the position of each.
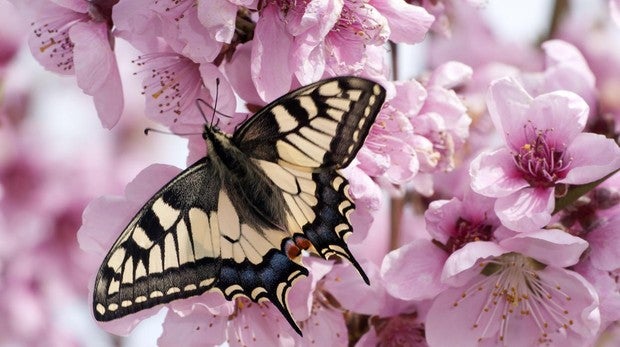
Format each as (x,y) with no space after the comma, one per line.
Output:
(200,102)
(217,94)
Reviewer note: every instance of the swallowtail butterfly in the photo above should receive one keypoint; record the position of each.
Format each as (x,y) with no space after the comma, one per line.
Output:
(237,220)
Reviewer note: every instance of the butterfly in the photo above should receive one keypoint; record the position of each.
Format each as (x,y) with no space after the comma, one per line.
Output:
(237,220)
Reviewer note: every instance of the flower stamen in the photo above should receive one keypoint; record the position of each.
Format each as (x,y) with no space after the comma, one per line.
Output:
(541,162)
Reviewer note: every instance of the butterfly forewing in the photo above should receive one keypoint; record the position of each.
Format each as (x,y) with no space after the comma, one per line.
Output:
(165,252)
(322,125)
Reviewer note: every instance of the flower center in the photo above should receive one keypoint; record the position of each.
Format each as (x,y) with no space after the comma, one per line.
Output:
(173,80)
(541,163)
(466,231)
(357,23)
(399,331)
(515,291)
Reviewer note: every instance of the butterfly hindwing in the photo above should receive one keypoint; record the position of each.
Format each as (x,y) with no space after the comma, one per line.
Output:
(318,207)
(321,125)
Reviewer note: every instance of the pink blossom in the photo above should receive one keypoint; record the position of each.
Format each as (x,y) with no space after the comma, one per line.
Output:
(515,293)
(386,150)
(73,37)
(419,129)
(172,83)
(545,147)
(443,119)
(325,37)
(392,322)
(184,30)
(452,224)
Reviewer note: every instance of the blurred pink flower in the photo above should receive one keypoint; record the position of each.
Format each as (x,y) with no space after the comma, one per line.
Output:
(565,69)
(545,147)
(614,8)
(12,34)
(73,37)
(516,293)
(468,38)
(601,48)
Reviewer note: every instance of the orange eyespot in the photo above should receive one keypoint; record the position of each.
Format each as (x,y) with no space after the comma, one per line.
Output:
(303,243)
(292,251)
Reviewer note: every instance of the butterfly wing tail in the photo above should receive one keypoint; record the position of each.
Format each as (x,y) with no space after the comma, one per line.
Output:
(332,226)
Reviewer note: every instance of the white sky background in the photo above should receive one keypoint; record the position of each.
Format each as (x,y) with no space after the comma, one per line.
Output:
(70,119)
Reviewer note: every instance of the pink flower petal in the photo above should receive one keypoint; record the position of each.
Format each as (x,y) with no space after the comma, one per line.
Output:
(325,327)
(549,246)
(96,70)
(200,327)
(413,271)
(605,245)
(567,69)
(408,23)
(459,266)
(370,299)
(508,105)
(607,289)
(270,56)
(74,5)
(135,22)
(218,16)
(240,76)
(441,217)
(450,74)
(529,209)
(410,96)
(563,111)
(594,156)
(259,322)
(495,175)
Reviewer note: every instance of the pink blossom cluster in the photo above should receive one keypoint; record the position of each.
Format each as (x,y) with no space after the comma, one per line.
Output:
(487,195)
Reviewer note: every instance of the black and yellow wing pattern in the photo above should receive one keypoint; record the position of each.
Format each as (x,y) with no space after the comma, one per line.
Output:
(237,220)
